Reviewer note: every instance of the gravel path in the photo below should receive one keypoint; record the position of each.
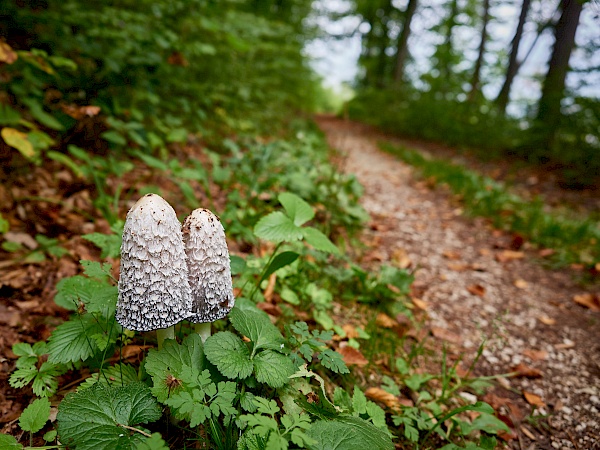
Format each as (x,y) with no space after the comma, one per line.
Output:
(477,286)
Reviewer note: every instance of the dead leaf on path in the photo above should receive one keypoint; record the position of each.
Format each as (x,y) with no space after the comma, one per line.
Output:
(79,112)
(545,252)
(535,355)
(588,300)
(375,255)
(271,309)
(509,255)
(451,254)
(459,267)
(476,289)
(381,396)
(130,351)
(524,371)
(18,237)
(352,356)
(547,320)
(565,345)
(533,399)
(401,259)
(350,331)
(442,333)
(385,321)
(521,284)
(528,433)
(484,251)
(7,54)
(421,304)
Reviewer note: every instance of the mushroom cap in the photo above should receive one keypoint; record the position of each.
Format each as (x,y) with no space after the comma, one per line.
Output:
(208,266)
(153,286)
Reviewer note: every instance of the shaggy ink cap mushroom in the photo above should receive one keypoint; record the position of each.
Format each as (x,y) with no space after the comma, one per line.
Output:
(209,267)
(153,286)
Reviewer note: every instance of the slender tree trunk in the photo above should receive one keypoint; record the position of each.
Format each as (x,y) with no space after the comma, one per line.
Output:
(513,63)
(554,83)
(445,56)
(402,47)
(476,79)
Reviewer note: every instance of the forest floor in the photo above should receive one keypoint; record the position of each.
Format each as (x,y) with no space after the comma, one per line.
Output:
(475,286)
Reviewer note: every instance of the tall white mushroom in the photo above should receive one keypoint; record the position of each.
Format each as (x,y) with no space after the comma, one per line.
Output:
(154,293)
(209,269)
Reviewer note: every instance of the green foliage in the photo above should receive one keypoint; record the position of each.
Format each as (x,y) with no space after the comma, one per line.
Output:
(9,443)
(32,369)
(95,418)
(35,416)
(307,344)
(349,433)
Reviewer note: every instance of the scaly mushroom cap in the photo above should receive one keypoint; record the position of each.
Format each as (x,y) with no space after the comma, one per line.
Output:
(153,286)
(208,265)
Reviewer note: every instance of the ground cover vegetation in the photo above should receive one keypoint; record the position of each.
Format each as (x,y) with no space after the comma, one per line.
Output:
(467,92)
(102,104)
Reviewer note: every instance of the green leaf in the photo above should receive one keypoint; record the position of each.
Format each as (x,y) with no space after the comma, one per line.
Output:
(119,375)
(281,260)
(258,328)
(319,241)
(171,361)
(348,433)
(151,161)
(277,227)
(154,442)
(273,368)
(238,264)
(94,269)
(114,137)
(297,209)
(484,422)
(4,225)
(333,361)
(110,244)
(8,116)
(38,113)
(70,341)
(231,356)
(97,296)
(35,416)
(359,401)
(50,435)
(8,442)
(94,418)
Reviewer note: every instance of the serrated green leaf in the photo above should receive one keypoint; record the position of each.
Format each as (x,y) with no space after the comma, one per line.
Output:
(319,241)
(297,209)
(154,442)
(110,244)
(70,341)
(94,269)
(119,375)
(359,401)
(277,227)
(273,369)
(93,419)
(258,328)
(8,442)
(231,356)
(97,296)
(35,416)
(348,433)
(333,361)
(171,360)
(50,435)
(484,422)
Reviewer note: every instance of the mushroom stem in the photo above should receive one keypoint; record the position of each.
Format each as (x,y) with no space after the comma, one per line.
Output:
(203,330)
(164,333)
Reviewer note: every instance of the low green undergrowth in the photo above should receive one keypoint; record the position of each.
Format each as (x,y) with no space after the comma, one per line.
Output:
(574,241)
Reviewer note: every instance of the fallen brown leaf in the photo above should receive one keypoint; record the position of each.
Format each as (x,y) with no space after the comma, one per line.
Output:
(270,308)
(545,252)
(521,284)
(268,294)
(401,259)
(442,333)
(352,356)
(421,304)
(451,254)
(476,289)
(533,399)
(459,267)
(350,331)
(509,255)
(524,371)
(588,300)
(547,320)
(385,321)
(130,351)
(535,355)
(527,432)
(7,54)
(381,396)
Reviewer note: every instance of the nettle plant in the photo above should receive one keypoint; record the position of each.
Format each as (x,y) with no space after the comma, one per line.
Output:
(248,386)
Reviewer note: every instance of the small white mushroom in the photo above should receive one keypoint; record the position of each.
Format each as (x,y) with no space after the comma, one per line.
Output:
(154,293)
(209,269)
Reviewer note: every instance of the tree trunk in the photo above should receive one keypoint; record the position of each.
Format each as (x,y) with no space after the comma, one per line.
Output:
(554,83)
(476,79)
(445,51)
(513,64)
(402,47)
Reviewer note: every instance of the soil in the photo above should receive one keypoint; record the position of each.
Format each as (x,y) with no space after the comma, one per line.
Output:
(479,285)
